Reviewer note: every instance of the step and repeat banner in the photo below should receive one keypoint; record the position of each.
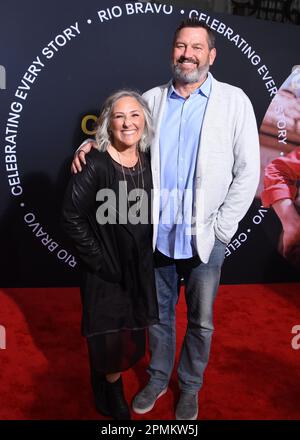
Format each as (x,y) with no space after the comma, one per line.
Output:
(59,61)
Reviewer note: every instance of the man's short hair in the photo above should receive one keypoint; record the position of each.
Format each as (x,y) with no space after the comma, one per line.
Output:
(194,23)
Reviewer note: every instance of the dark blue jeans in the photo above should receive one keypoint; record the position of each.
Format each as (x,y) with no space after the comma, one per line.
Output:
(201,285)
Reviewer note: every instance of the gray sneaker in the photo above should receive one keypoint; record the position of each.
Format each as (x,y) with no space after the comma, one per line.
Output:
(145,400)
(187,406)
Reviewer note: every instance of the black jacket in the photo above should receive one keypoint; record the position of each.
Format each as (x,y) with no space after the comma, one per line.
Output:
(118,290)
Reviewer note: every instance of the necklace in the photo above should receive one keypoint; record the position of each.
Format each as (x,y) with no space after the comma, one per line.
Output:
(139,199)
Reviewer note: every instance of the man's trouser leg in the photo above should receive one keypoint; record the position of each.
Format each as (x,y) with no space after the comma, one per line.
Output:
(202,284)
(162,336)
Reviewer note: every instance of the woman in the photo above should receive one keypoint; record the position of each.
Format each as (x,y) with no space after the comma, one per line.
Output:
(107,215)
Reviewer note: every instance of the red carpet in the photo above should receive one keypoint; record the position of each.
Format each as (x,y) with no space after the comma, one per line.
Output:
(254,373)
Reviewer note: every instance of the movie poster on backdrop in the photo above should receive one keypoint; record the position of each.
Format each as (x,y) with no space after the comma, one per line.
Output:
(53,80)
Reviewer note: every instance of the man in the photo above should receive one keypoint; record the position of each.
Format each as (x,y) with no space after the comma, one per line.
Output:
(205,166)
(281,192)
(282,174)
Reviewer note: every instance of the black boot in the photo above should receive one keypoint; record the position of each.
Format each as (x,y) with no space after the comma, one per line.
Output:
(117,404)
(99,387)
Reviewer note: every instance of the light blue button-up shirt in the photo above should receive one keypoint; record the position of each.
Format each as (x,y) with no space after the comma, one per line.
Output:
(179,142)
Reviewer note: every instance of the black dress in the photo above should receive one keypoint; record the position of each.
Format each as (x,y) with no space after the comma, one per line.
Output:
(118,308)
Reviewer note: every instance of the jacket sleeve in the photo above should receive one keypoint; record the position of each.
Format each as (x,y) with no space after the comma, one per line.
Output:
(245,172)
(79,214)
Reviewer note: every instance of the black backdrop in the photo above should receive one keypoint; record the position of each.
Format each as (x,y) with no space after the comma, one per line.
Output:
(130,49)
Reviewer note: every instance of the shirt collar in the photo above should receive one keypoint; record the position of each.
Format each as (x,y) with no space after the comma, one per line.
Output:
(203,90)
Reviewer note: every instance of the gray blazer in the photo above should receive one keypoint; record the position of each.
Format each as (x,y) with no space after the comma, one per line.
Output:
(228,164)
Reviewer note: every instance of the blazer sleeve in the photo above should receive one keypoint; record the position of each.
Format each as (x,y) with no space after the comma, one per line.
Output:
(245,172)
(79,213)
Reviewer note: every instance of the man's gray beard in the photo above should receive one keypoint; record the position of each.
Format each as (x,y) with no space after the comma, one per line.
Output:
(189,77)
